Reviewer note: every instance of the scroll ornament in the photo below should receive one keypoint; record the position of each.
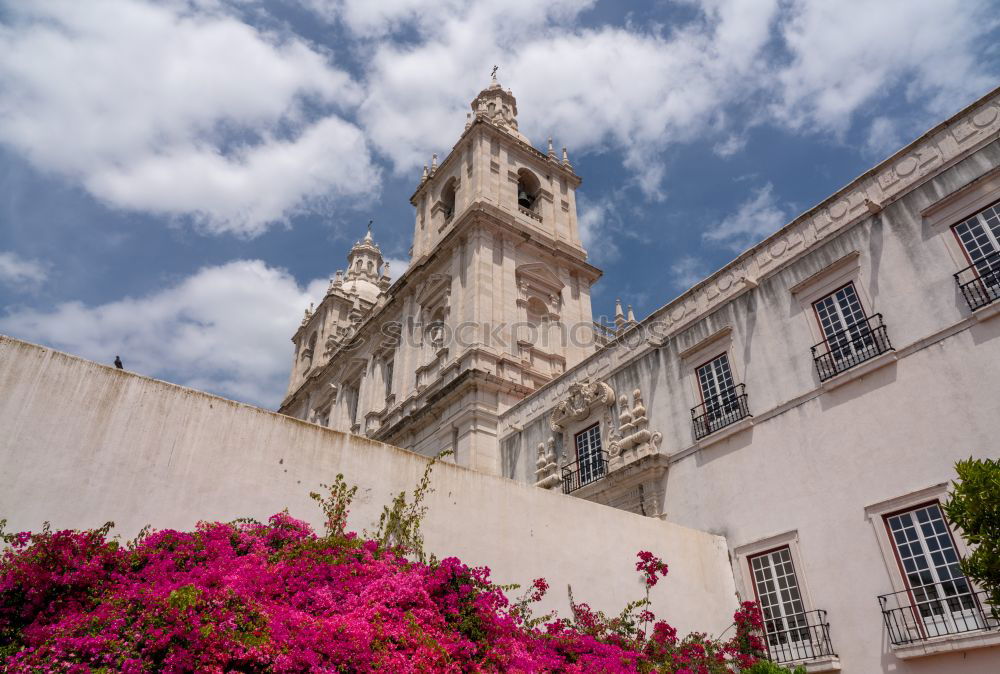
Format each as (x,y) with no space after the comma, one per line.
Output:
(547,466)
(632,439)
(582,398)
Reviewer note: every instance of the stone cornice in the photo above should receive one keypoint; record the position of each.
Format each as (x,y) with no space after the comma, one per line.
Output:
(941,147)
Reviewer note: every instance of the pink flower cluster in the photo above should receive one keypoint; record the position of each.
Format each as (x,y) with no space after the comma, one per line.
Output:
(650,566)
(277,597)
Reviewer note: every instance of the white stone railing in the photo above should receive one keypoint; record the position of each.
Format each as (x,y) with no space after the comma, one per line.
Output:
(530,214)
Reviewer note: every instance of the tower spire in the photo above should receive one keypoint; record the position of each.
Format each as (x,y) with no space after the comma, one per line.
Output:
(498,106)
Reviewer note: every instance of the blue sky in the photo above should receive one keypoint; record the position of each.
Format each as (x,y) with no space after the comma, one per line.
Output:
(179,179)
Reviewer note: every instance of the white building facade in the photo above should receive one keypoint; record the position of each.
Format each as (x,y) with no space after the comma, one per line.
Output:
(807,402)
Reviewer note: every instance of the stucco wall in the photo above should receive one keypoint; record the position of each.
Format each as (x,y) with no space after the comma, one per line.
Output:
(815,459)
(815,468)
(83,443)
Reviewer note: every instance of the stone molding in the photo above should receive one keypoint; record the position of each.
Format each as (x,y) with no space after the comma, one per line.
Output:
(582,398)
(935,151)
(631,440)
(547,465)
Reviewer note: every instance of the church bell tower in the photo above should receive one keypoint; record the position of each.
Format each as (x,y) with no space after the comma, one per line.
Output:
(495,302)
(496,228)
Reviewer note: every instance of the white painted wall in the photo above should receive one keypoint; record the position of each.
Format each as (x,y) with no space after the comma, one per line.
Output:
(816,459)
(83,443)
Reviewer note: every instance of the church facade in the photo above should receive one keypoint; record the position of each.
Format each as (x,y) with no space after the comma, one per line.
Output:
(808,401)
(432,362)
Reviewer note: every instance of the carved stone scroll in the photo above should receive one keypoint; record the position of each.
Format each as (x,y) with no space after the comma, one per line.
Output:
(547,466)
(632,440)
(581,399)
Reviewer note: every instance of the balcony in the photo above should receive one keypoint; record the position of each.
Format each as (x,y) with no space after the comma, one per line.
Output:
(980,283)
(531,214)
(936,610)
(724,409)
(851,347)
(583,472)
(798,638)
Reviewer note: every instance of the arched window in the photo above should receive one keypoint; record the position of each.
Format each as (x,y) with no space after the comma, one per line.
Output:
(527,189)
(448,198)
(358,265)
(371,267)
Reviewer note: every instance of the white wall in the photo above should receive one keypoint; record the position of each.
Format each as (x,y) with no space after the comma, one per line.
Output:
(83,443)
(815,468)
(816,459)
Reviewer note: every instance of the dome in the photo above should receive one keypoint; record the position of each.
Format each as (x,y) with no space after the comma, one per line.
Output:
(498,107)
(363,288)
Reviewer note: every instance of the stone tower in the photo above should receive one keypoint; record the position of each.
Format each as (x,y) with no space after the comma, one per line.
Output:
(495,302)
(352,295)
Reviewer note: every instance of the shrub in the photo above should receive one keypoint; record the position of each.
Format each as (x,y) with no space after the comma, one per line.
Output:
(974,507)
(277,597)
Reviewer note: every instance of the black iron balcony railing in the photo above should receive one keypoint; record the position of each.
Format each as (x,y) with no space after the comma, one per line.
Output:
(851,347)
(980,283)
(584,471)
(718,412)
(936,610)
(802,636)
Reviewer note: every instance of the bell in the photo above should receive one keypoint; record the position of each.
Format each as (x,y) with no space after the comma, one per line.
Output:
(523,199)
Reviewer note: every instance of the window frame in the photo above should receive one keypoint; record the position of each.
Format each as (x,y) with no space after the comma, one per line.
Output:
(798,587)
(934,494)
(909,589)
(595,430)
(995,238)
(958,206)
(839,273)
(840,313)
(745,586)
(718,343)
(992,273)
(726,407)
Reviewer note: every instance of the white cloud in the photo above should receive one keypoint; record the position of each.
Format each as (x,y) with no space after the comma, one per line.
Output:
(225,329)
(883,137)
(18,271)
(687,271)
(397,266)
(626,88)
(180,110)
(597,222)
(730,146)
(754,219)
(846,53)
(640,89)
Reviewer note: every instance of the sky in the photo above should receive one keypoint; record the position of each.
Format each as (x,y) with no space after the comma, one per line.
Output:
(179,179)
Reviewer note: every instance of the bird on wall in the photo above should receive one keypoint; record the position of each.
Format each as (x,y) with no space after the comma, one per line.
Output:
(118,363)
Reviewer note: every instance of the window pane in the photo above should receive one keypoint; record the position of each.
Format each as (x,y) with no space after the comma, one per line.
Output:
(588,454)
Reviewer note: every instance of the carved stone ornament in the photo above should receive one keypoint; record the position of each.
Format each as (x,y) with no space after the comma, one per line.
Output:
(632,439)
(582,398)
(547,469)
